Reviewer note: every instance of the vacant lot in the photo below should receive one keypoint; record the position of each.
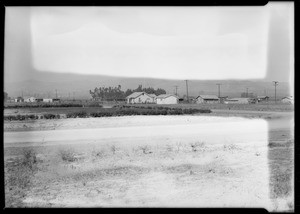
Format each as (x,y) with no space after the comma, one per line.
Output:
(169,161)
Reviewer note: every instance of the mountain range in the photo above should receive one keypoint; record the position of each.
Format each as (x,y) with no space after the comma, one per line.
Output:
(47,84)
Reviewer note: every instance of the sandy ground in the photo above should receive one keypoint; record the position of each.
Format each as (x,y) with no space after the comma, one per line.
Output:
(173,161)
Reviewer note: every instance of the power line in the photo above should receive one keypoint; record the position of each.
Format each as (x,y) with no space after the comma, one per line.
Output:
(176,89)
(275,84)
(187,90)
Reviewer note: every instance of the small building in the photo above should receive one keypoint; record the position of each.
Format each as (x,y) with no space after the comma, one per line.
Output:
(56,100)
(30,100)
(139,97)
(19,99)
(289,100)
(207,99)
(167,99)
(262,99)
(241,100)
(47,100)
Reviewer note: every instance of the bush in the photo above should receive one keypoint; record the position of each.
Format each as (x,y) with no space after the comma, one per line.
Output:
(67,156)
(51,116)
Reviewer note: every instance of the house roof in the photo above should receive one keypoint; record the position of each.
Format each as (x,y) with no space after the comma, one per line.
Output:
(211,97)
(152,95)
(136,94)
(290,98)
(163,96)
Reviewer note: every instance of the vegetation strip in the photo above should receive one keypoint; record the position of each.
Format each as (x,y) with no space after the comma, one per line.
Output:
(119,111)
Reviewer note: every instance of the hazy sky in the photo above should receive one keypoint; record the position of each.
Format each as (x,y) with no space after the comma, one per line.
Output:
(157,42)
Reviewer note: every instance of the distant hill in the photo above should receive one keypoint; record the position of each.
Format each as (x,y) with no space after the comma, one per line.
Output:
(44,84)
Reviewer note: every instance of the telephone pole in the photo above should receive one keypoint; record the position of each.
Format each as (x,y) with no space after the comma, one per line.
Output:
(275,84)
(247,92)
(219,92)
(56,93)
(187,90)
(176,89)
(73,96)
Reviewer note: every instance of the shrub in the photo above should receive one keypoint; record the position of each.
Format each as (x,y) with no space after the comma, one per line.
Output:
(51,116)
(67,156)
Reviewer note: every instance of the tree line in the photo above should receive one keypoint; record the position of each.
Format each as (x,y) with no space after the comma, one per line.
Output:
(116,93)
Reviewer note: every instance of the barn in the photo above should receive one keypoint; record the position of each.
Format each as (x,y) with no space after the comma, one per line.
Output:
(139,97)
(167,99)
(207,99)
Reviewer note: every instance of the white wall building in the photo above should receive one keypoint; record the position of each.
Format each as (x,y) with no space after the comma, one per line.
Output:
(139,97)
(167,99)
(30,100)
(289,100)
(47,100)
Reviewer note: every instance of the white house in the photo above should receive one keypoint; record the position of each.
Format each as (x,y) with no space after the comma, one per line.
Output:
(289,99)
(167,99)
(207,99)
(47,100)
(30,100)
(139,97)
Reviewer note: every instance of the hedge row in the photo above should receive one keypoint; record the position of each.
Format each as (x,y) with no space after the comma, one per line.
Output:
(31,117)
(112,112)
(123,112)
(56,105)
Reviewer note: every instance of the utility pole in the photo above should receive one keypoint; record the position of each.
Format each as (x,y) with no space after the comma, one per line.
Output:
(187,90)
(22,94)
(219,92)
(265,93)
(176,89)
(69,96)
(73,96)
(56,93)
(275,84)
(247,92)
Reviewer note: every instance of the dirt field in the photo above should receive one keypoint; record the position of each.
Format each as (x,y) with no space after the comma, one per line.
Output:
(137,161)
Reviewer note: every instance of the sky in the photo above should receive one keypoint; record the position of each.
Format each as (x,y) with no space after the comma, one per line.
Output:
(156,42)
